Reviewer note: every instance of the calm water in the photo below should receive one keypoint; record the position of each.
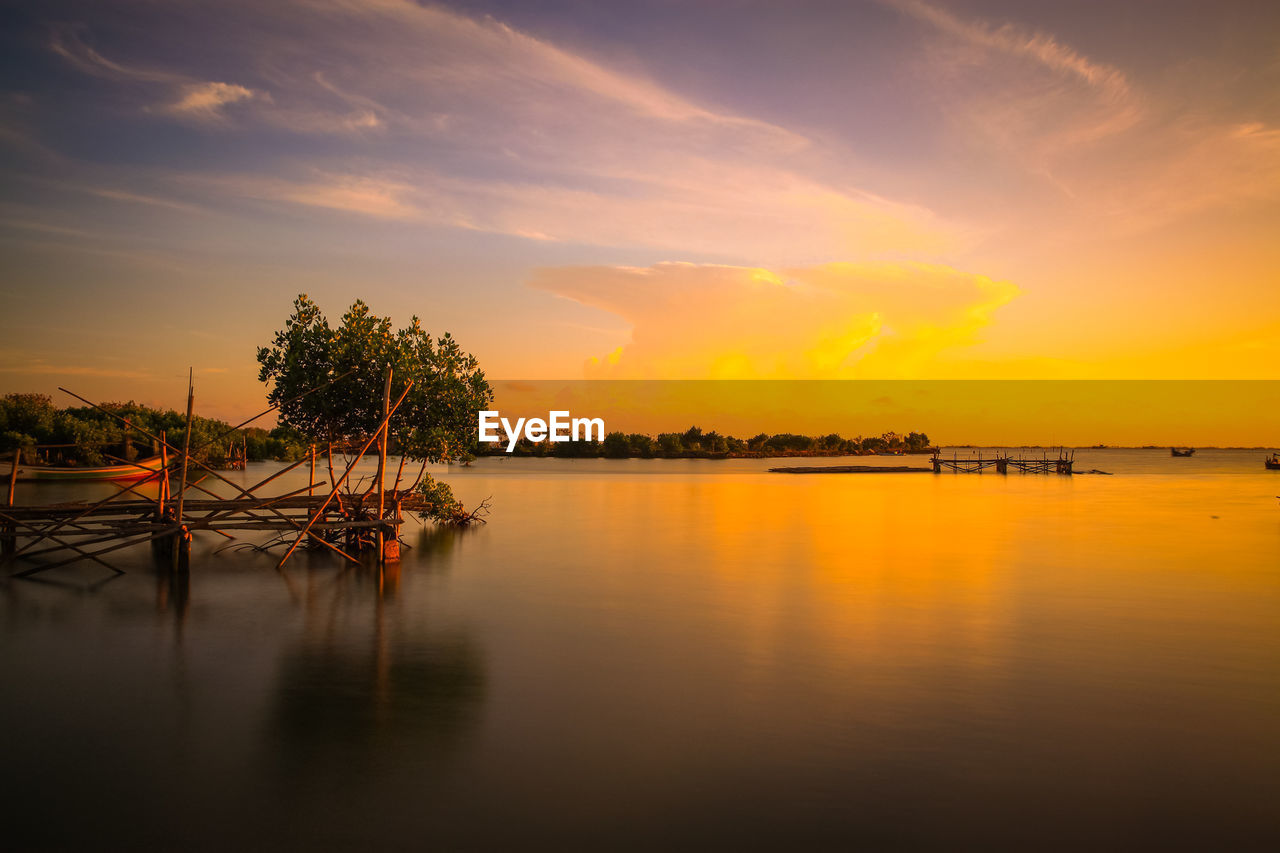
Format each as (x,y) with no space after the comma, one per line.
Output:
(681,654)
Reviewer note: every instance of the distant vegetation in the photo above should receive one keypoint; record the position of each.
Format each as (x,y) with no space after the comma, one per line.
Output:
(693,443)
(90,437)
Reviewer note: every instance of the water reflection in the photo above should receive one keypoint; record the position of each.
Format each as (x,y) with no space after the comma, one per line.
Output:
(173,594)
(365,680)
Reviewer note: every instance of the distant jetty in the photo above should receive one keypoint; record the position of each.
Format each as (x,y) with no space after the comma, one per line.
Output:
(1001,463)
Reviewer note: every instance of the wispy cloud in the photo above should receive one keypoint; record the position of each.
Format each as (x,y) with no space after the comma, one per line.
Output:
(1127,156)
(1011,39)
(484,127)
(37,367)
(70,45)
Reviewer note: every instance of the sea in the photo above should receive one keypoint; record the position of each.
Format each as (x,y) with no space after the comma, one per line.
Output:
(677,655)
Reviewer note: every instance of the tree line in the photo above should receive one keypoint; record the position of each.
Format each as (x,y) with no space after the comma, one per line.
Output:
(83,435)
(693,443)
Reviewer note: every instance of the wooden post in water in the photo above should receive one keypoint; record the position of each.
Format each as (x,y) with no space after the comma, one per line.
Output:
(311,486)
(13,475)
(164,477)
(382,464)
(9,542)
(182,542)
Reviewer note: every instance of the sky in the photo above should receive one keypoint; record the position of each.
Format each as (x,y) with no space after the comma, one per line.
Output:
(877,189)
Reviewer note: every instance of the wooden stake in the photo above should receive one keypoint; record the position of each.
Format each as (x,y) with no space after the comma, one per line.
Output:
(9,544)
(13,474)
(164,480)
(382,458)
(186,457)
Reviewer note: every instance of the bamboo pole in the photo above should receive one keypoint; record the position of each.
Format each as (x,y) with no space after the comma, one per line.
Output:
(9,543)
(382,461)
(13,474)
(311,482)
(399,473)
(186,458)
(164,478)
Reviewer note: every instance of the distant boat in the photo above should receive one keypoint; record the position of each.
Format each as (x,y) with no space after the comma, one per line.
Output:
(1182,451)
(1273,464)
(143,469)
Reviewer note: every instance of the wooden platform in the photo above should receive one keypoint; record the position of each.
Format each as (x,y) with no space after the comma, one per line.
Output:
(332,514)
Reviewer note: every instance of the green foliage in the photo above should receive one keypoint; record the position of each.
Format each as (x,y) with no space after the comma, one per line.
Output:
(439,503)
(94,436)
(616,445)
(437,420)
(641,445)
(670,444)
(284,443)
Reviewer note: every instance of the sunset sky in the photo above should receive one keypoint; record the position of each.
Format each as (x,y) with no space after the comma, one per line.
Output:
(862,189)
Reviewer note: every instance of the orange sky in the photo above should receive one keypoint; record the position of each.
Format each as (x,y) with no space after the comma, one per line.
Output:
(1239,413)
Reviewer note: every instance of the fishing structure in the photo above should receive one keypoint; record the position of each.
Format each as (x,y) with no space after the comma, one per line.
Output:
(331,514)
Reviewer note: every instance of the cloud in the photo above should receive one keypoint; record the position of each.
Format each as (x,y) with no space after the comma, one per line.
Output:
(38,367)
(865,320)
(1032,96)
(437,117)
(67,43)
(204,101)
(190,98)
(352,194)
(1127,157)
(1038,46)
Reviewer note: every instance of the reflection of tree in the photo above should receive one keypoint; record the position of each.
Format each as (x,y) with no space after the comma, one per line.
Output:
(173,594)
(429,692)
(437,541)
(383,690)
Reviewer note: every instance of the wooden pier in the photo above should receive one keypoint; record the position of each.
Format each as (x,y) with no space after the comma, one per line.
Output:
(1002,463)
(332,514)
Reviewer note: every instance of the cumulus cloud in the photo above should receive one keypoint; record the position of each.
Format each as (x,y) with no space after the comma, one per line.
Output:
(865,320)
